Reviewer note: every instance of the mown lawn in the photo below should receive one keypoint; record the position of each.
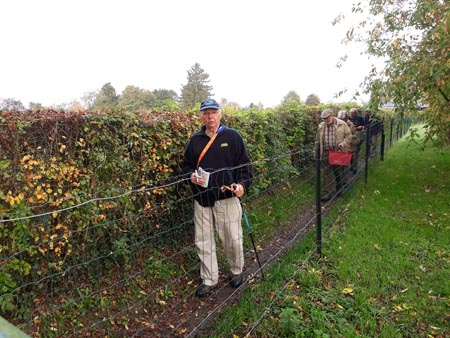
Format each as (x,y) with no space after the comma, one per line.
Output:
(385,269)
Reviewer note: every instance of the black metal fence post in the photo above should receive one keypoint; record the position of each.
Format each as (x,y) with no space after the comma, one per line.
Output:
(366,169)
(391,132)
(383,137)
(318,205)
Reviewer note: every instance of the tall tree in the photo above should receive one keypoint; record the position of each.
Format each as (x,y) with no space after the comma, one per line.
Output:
(11,104)
(165,94)
(166,100)
(290,102)
(134,98)
(106,98)
(88,99)
(35,106)
(312,100)
(291,98)
(197,87)
(412,36)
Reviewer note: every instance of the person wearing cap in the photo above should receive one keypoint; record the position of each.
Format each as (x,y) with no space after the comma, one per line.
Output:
(356,119)
(374,127)
(220,151)
(332,134)
(343,115)
(352,141)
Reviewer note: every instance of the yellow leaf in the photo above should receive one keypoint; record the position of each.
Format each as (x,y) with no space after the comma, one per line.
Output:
(347,291)
(398,308)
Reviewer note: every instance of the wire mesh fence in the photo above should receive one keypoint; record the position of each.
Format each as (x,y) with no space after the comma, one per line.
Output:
(104,278)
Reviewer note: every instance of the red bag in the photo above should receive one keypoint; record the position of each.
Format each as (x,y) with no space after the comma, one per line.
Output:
(341,158)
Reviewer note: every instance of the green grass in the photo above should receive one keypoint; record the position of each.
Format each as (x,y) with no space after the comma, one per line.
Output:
(385,269)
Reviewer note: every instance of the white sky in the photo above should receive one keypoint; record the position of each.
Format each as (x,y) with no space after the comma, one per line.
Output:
(54,51)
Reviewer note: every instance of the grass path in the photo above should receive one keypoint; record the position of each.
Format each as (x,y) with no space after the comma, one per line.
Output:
(385,270)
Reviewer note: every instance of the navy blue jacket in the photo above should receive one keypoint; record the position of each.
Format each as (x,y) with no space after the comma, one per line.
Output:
(357,120)
(227,160)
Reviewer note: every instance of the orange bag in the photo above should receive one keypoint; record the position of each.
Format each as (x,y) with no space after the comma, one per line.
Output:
(341,158)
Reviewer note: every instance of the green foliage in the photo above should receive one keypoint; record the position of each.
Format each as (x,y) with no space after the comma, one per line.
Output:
(197,87)
(384,264)
(291,99)
(108,171)
(412,39)
(11,274)
(290,322)
(107,98)
(135,99)
(312,100)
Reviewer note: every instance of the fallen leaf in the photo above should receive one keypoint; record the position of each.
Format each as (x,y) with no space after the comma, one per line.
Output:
(347,291)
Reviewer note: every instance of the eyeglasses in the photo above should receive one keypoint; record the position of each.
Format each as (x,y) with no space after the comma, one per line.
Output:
(210,112)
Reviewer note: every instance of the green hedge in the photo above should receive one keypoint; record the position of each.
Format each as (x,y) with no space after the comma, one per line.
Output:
(100,180)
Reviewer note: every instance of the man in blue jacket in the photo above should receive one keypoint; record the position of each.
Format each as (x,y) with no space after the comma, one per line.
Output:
(219,171)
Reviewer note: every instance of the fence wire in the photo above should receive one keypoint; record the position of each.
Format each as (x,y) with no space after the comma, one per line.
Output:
(142,283)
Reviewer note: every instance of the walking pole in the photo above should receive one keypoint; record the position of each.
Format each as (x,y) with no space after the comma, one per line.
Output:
(249,229)
(250,233)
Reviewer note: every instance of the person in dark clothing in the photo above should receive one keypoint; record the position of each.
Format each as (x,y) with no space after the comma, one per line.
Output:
(374,124)
(219,169)
(356,119)
(359,128)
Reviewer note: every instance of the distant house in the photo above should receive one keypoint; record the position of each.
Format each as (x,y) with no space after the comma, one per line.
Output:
(391,105)
(387,105)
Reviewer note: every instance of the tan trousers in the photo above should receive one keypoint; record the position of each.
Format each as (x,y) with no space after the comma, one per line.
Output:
(224,217)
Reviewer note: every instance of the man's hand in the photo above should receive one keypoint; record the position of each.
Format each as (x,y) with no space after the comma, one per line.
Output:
(238,190)
(196,179)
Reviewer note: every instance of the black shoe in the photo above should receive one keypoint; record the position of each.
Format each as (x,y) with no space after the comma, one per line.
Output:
(203,290)
(237,280)
(325,198)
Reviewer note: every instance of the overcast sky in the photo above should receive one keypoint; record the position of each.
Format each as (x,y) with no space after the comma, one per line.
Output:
(54,51)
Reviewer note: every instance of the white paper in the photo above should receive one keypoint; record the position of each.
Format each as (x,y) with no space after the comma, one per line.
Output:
(203,174)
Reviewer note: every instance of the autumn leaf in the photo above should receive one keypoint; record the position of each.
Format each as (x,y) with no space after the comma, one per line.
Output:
(347,291)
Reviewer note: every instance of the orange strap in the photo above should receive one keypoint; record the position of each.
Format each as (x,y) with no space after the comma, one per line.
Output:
(206,148)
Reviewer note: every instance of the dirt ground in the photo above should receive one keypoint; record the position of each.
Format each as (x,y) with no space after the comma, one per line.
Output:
(192,317)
